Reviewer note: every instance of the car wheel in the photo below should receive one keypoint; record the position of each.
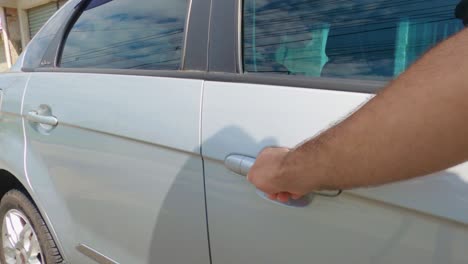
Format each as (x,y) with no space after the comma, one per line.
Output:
(25,236)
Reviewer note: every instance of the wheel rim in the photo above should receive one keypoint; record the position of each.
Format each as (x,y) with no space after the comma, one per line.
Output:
(20,243)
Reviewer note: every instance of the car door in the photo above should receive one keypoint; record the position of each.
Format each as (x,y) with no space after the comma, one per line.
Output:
(113,148)
(12,86)
(304,66)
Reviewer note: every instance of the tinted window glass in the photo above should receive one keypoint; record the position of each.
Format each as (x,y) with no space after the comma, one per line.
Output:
(359,39)
(127,34)
(41,41)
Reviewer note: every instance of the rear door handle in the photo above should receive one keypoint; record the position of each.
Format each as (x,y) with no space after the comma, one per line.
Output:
(35,117)
(241,164)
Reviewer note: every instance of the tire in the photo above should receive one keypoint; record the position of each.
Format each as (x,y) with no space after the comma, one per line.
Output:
(16,205)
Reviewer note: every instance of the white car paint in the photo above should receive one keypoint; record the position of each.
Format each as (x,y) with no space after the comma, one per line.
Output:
(419,221)
(112,174)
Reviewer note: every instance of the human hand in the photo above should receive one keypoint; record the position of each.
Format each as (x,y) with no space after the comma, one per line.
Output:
(274,176)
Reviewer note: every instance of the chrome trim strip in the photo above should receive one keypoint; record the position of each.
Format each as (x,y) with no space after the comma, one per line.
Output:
(186,30)
(94,255)
(239,36)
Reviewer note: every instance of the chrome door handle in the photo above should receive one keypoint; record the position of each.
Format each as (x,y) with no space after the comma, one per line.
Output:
(35,117)
(241,164)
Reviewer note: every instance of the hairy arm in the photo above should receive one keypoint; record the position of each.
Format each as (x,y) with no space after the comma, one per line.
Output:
(415,126)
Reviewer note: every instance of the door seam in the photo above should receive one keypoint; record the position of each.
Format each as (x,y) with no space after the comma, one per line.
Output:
(200,133)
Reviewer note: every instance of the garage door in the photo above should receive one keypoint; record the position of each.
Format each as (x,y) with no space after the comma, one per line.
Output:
(39,15)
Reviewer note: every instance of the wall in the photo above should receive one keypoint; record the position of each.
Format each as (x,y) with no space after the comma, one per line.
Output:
(3,62)
(14,33)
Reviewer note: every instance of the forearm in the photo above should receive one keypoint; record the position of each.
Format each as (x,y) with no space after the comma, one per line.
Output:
(415,126)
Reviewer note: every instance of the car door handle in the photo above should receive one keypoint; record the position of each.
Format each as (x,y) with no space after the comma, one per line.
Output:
(241,164)
(35,117)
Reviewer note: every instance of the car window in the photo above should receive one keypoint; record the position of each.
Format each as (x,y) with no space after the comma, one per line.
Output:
(356,39)
(127,34)
(41,41)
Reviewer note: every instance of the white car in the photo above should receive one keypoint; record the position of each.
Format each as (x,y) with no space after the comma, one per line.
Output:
(127,127)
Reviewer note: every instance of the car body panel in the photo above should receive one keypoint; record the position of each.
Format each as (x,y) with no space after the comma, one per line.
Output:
(405,224)
(122,173)
(131,187)
(11,127)
(13,86)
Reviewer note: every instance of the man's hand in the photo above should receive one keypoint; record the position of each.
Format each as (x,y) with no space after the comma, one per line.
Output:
(415,126)
(272,175)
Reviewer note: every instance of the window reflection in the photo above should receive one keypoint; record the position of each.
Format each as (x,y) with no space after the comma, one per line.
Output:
(365,39)
(127,34)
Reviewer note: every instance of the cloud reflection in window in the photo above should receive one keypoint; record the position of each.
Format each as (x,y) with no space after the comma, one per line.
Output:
(127,34)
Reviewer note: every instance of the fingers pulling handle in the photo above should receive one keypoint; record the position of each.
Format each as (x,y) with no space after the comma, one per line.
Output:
(241,164)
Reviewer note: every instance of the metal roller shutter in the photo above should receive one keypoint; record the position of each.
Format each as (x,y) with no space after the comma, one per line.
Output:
(39,15)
